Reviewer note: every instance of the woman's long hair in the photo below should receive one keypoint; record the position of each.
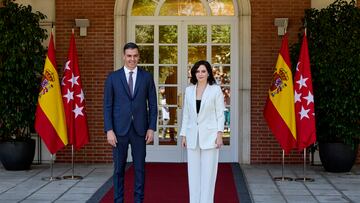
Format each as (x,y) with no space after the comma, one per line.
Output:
(210,79)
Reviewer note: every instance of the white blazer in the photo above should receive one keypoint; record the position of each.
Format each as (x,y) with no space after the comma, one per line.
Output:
(208,122)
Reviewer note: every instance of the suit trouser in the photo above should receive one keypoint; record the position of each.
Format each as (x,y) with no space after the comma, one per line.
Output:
(138,152)
(202,171)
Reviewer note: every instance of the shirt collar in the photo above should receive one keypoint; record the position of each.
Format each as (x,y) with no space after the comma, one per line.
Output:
(128,70)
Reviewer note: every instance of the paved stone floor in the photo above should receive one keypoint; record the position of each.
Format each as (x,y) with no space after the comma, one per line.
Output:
(28,186)
(327,187)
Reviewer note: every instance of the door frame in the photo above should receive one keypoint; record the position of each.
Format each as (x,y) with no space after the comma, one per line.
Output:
(243,116)
(175,153)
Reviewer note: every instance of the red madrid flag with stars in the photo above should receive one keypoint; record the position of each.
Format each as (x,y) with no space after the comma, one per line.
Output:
(74,100)
(304,100)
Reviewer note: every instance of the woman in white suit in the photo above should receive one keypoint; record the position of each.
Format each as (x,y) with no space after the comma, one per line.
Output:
(202,130)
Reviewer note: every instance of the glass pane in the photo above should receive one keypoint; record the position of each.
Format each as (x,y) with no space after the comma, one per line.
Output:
(196,53)
(168,34)
(197,34)
(220,33)
(167,136)
(226,93)
(227,134)
(149,69)
(182,8)
(220,54)
(168,75)
(189,73)
(223,8)
(144,34)
(146,54)
(168,54)
(143,8)
(222,74)
(167,96)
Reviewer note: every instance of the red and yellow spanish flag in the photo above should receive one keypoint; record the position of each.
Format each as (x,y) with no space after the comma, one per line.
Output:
(279,109)
(50,121)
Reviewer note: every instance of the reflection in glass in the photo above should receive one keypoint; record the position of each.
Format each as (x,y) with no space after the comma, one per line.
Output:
(143,8)
(167,96)
(168,54)
(167,115)
(197,34)
(226,93)
(144,33)
(182,8)
(196,53)
(168,34)
(220,33)
(146,54)
(222,74)
(220,54)
(167,118)
(222,8)
(227,134)
(149,69)
(189,73)
(167,136)
(167,75)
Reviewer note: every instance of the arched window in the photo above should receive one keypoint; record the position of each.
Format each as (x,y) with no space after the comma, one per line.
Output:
(182,8)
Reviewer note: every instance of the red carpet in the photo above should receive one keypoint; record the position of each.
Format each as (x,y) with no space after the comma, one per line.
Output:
(167,183)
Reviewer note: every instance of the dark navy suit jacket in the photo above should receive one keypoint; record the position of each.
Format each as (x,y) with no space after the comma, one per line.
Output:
(120,109)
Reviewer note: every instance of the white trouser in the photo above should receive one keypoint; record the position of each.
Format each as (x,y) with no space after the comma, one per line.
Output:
(202,170)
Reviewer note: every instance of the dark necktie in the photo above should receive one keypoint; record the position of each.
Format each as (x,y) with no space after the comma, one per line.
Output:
(131,83)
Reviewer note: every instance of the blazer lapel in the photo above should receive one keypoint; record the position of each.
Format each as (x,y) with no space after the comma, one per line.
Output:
(192,98)
(204,97)
(124,81)
(139,79)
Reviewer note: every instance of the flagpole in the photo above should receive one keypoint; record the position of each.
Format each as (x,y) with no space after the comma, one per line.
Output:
(304,178)
(51,178)
(283,178)
(72,176)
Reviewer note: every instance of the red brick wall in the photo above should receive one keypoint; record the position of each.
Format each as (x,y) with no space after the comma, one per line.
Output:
(96,61)
(264,51)
(265,46)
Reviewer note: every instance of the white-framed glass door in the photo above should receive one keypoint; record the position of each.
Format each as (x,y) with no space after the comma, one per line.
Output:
(168,49)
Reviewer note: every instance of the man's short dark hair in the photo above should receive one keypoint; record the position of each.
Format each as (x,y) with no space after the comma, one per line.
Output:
(130,45)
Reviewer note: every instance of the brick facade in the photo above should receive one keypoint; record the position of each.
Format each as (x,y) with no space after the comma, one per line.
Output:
(96,61)
(95,52)
(264,51)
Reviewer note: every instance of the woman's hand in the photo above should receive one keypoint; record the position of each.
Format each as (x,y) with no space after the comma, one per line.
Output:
(219,139)
(183,141)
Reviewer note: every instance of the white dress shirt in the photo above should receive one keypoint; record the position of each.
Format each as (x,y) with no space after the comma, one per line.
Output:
(127,74)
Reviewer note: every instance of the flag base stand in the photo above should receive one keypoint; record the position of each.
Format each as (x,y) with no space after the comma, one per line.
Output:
(73,176)
(51,178)
(304,178)
(283,178)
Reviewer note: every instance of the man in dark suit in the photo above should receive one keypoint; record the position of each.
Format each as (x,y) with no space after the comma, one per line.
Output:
(130,114)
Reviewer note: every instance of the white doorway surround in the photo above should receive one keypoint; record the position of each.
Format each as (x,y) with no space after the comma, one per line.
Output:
(238,149)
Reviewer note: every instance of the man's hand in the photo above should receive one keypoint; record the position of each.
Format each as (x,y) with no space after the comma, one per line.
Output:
(111,138)
(149,136)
